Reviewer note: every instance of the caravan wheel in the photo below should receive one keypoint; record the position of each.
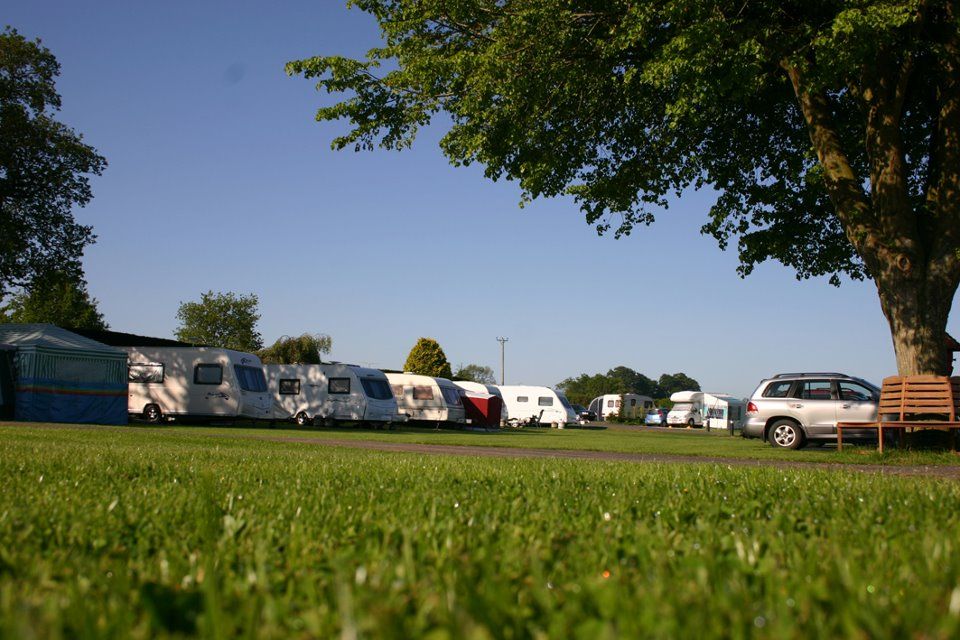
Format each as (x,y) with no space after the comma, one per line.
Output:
(302,419)
(152,414)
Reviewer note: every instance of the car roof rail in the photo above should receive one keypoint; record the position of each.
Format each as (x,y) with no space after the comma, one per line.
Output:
(813,374)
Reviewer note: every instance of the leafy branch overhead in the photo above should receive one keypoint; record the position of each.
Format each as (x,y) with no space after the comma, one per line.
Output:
(829,130)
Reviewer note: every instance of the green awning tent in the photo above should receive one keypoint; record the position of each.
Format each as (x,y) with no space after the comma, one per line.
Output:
(60,376)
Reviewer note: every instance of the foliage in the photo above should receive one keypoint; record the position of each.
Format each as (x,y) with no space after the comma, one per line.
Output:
(44,167)
(585,387)
(427,358)
(218,537)
(830,131)
(303,349)
(56,297)
(671,383)
(223,320)
(475,373)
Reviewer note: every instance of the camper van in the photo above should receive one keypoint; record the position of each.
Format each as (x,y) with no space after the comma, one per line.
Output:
(331,392)
(196,382)
(700,408)
(427,399)
(526,404)
(633,405)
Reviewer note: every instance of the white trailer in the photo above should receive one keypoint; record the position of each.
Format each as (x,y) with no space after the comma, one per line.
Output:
(196,382)
(526,403)
(702,408)
(633,405)
(427,399)
(331,392)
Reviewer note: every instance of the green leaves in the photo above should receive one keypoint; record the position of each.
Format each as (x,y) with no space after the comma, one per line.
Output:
(303,349)
(224,320)
(427,358)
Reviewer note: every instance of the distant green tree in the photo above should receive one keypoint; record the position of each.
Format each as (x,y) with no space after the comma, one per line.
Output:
(672,382)
(57,297)
(303,349)
(44,169)
(475,373)
(427,358)
(585,387)
(223,320)
(635,382)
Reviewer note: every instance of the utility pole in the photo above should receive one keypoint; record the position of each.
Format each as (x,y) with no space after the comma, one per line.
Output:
(502,341)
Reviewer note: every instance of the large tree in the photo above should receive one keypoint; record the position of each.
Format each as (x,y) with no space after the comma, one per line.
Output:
(475,373)
(829,129)
(302,349)
(224,320)
(427,358)
(58,298)
(44,169)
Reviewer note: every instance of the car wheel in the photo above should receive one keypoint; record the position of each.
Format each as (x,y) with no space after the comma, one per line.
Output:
(786,434)
(302,419)
(152,414)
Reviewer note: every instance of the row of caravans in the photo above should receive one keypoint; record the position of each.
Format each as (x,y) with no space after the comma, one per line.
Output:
(210,383)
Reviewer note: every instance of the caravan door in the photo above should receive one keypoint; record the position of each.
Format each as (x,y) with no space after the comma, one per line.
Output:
(211,393)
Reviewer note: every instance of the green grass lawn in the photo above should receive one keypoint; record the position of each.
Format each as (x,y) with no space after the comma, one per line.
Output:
(166,532)
(683,442)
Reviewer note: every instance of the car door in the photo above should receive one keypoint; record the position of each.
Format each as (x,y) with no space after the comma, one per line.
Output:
(857,403)
(816,406)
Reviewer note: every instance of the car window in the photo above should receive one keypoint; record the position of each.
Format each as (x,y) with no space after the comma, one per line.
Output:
(778,389)
(854,391)
(815,390)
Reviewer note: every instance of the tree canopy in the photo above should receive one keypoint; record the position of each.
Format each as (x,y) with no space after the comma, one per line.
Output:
(58,298)
(475,373)
(585,387)
(44,169)
(427,358)
(224,320)
(829,129)
(302,349)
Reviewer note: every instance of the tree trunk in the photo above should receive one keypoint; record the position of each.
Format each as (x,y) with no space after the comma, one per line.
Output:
(916,307)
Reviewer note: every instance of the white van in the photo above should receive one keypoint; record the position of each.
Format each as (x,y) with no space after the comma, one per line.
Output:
(427,399)
(687,409)
(633,405)
(331,392)
(700,408)
(196,382)
(526,403)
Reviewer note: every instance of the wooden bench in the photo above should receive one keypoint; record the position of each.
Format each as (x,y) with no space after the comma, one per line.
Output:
(912,402)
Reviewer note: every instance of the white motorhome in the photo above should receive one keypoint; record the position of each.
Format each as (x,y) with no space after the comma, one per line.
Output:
(196,382)
(701,408)
(331,392)
(427,399)
(527,403)
(633,405)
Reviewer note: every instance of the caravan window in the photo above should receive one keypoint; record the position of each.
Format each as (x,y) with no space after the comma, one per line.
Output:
(145,373)
(376,389)
(545,401)
(609,403)
(422,392)
(208,374)
(290,387)
(451,396)
(648,404)
(339,385)
(522,398)
(250,378)
(397,390)
(633,402)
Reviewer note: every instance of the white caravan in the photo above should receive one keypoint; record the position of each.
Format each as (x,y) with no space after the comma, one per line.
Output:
(331,392)
(525,403)
(196,382)
(634,405)
(700,408)
(427,399)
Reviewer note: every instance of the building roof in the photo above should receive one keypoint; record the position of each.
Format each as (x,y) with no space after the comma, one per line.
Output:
(120,339)
(51,337)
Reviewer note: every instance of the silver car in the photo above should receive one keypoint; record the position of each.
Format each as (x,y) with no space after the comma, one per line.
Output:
(791,410)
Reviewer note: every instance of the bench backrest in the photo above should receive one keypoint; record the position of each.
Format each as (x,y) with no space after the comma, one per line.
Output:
(910,397)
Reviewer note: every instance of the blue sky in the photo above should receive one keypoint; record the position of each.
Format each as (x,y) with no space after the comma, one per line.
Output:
(220,179)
